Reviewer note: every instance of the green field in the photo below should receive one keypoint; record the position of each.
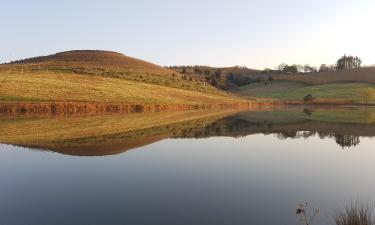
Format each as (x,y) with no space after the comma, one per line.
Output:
(352,92)
(261,89)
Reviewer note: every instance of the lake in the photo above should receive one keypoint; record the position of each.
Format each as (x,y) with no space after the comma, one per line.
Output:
(185,167)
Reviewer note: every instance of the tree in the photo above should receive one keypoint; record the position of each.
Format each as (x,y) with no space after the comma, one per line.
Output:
(348,62)
(231,76)
(290,69)
(324,68)
(300,68)
(218,73)
(267,71)
(214,82)
(309,69)
(197,70)
(347,141)
(282,66)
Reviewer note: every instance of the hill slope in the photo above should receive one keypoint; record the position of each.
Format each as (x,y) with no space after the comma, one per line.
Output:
(52,86)
(107,64)
(101,76)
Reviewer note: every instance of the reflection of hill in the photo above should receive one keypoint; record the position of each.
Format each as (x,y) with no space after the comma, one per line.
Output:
(101,135)
(113,134)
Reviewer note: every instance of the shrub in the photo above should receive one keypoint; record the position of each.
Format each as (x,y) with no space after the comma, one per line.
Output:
(308,98)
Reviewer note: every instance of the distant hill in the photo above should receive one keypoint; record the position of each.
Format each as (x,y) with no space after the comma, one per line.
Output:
(102,76)
(360,75)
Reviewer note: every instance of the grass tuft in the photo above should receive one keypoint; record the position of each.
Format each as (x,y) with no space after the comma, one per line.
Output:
(356,214)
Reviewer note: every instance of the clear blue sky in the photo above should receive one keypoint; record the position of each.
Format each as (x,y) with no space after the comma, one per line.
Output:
(252,33)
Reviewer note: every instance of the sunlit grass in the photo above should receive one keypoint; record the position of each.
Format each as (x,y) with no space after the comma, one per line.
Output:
(52,86)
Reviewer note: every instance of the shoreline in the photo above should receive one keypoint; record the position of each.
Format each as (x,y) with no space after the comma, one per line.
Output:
(102,108)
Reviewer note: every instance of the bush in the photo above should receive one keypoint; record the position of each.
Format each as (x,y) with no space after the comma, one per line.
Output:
(308,98)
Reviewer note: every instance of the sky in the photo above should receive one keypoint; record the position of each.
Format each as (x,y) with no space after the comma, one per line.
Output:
(256,34)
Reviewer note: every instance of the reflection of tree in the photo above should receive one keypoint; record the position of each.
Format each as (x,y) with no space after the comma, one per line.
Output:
(294,134)
(347,140)
(236,127)
(287,134)
(308,111)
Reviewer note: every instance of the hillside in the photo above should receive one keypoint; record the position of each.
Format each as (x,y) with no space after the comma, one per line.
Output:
(337,86)
(102,76)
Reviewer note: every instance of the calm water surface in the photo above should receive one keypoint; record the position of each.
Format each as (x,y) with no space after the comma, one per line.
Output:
(246,168)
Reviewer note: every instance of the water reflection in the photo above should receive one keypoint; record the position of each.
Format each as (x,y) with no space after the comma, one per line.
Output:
(344,126)
(113,134)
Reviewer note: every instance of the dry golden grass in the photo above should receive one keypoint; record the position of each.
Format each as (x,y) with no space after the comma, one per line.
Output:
(55,86)
(108,64)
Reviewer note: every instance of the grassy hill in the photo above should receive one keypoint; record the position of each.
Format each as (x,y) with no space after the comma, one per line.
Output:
(101,76)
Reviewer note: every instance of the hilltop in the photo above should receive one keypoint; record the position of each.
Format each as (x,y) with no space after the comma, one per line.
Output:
(92,59)
(102,76)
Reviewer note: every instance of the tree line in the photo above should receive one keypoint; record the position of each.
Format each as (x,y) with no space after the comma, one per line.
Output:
(240,76)
(343,63)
